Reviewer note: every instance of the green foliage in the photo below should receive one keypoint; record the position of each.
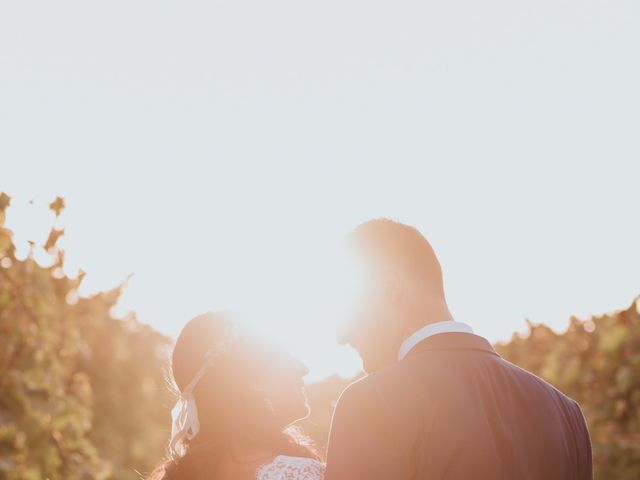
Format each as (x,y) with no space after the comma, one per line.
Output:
(45,400)
(125,362)
(596,362)
(82,395)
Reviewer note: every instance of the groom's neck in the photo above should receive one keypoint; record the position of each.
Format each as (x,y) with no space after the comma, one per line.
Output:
(425,313)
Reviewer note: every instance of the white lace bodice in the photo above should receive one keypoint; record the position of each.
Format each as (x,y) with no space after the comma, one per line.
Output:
(291,468)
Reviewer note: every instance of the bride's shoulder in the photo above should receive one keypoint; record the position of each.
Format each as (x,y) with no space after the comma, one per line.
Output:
(284,467)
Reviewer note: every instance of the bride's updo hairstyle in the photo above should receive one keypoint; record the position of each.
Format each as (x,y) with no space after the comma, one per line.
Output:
(231,411)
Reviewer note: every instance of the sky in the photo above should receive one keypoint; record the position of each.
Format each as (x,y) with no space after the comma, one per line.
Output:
(221,150)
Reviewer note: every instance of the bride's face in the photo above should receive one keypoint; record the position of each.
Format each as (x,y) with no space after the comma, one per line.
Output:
(283,387)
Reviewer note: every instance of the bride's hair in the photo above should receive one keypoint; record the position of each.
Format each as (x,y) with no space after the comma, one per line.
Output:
(231,411)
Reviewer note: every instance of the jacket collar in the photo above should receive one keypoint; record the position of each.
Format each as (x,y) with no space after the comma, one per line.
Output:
(429,330)
(453,341)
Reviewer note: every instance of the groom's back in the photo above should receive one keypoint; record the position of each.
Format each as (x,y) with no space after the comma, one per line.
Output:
(494,420)
(453,409)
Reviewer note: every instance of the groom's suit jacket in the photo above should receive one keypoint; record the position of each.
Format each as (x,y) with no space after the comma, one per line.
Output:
(454,409)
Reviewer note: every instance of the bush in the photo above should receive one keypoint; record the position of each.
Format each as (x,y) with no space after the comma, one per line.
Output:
(596,362)
(82,395)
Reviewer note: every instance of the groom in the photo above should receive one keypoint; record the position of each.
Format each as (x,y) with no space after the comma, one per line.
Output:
(439,402)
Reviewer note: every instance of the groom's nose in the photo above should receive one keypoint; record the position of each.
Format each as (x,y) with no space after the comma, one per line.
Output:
(302,368)
(345,332)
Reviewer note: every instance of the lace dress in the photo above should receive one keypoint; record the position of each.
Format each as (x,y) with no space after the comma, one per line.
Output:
(291,468)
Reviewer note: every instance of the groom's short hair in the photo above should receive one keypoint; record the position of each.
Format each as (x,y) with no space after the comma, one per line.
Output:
(392,244)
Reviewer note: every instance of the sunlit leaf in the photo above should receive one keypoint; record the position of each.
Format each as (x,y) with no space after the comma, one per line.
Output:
(57,206)
(54,235)
(5,200)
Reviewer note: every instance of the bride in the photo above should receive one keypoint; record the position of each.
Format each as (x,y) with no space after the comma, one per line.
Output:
(238,399)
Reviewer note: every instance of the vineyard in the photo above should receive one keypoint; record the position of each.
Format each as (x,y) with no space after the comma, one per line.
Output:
(83,395)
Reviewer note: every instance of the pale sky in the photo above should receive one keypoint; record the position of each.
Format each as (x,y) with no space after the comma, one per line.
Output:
(221,150)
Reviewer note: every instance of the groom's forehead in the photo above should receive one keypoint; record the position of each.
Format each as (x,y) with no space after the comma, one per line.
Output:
(358,272)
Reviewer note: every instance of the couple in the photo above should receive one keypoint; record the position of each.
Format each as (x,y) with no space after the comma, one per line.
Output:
(437,403)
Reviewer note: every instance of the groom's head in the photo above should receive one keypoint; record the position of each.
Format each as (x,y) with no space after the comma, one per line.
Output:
(399,289)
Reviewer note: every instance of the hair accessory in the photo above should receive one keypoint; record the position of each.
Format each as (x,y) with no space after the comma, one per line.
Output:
(185,424)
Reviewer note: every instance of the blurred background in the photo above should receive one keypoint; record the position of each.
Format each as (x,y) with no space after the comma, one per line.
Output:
(212,155)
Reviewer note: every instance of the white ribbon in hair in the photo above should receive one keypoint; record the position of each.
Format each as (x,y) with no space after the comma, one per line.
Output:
(185,423)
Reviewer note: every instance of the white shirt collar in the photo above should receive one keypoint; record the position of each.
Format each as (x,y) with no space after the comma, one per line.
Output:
(448,326)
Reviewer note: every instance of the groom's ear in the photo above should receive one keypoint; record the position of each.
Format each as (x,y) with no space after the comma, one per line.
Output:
(392,286)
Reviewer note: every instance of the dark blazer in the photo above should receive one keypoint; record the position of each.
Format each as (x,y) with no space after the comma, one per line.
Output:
(454,409)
